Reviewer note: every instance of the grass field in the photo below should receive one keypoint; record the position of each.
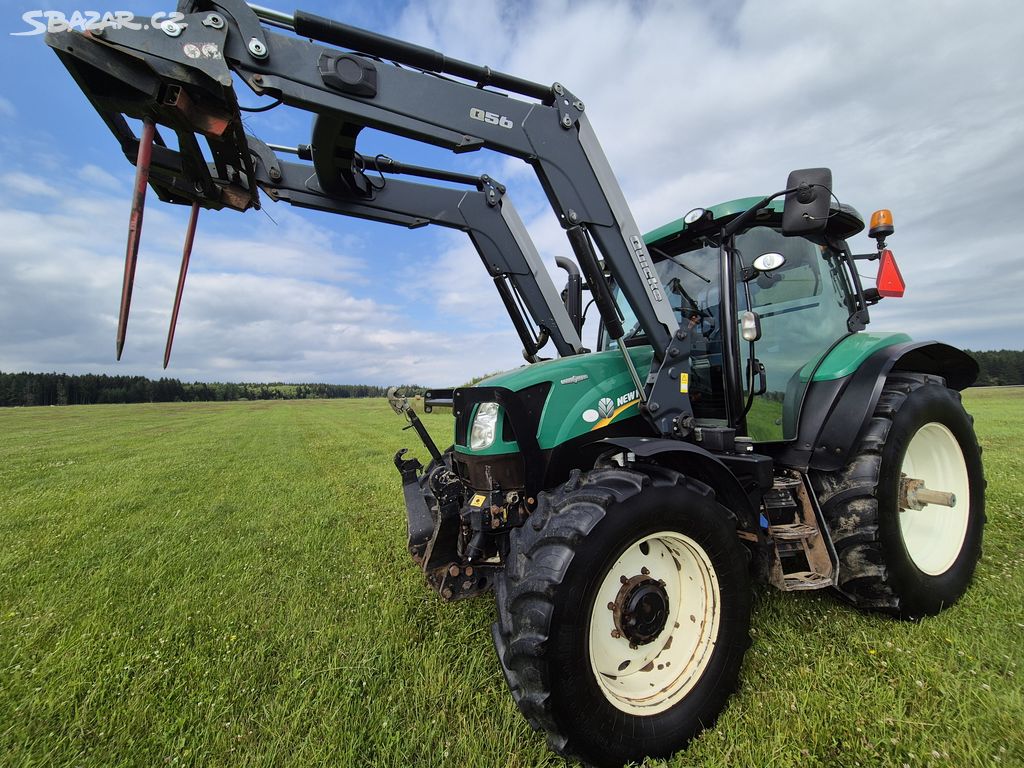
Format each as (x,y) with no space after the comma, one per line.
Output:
(227,584)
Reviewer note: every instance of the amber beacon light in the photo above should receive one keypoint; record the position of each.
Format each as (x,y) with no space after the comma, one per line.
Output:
(881,225)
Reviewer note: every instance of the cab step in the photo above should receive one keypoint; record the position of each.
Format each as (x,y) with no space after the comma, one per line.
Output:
(803,556)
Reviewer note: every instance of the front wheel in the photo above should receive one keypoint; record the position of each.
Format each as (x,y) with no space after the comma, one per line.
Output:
(624,612)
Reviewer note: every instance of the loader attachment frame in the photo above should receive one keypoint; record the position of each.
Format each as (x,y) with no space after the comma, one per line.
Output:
(180,75)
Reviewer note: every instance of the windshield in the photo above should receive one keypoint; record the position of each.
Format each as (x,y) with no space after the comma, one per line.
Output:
(691,281)
(804,307)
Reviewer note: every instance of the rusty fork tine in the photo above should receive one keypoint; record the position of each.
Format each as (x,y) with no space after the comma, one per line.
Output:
(186,254)
(135,227)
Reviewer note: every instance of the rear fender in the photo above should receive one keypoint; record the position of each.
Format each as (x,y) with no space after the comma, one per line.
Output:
(835,413)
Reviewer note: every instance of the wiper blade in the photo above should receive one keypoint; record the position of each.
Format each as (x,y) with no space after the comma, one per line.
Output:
(674,260)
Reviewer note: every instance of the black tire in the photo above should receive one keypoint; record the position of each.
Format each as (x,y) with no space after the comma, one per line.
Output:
(557,562)
(861,507)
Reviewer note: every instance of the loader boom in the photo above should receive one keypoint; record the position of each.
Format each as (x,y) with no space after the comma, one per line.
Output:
(180,75)
(485,213)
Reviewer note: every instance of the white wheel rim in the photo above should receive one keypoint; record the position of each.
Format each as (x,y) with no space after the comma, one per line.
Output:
(651,678)
(934,536)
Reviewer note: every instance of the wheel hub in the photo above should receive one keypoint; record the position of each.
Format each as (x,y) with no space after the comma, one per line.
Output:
(640,610)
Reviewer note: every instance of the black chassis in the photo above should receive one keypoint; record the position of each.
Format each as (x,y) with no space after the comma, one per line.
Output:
(461,508)
(834,415)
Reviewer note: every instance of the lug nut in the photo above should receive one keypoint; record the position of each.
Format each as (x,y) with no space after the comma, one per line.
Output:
(616,634)
(623,579)
(645,571)
(611,606)
(453,571)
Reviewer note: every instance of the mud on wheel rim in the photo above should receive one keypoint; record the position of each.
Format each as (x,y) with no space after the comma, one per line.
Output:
(653,623)
(934,536)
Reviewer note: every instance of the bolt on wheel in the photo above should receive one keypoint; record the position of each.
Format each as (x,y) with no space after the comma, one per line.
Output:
(654,622)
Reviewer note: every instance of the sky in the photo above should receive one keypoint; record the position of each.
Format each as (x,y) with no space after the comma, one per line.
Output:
(915,106)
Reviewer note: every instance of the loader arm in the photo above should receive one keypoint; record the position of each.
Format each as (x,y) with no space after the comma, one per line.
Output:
(180,76)
(486,214)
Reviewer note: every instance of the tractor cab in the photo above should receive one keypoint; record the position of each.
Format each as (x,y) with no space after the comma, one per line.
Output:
(793,295)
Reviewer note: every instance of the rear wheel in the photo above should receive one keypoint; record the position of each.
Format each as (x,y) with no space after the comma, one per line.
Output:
(624,612)
(897,552)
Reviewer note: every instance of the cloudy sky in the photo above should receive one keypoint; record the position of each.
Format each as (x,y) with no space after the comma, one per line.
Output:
(916,106)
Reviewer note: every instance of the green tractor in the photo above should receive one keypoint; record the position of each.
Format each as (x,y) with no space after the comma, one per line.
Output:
(822,456)
(736,423)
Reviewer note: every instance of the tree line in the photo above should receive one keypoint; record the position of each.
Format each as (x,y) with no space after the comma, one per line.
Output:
(1000,367)
(25,389)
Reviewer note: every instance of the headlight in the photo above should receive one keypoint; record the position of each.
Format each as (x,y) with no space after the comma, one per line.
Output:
(485,424)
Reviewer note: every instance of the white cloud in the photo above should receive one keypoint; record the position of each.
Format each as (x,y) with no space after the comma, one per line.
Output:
(96,176)
(278,302)
(694,104)
(26,184)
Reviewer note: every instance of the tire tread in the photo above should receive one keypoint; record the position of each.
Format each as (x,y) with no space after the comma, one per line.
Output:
(538,561)
(849,501)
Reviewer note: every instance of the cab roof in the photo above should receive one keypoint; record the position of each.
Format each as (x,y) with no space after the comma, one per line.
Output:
(844,220)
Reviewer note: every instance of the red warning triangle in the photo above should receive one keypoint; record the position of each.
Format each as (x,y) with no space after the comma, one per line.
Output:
(889,281)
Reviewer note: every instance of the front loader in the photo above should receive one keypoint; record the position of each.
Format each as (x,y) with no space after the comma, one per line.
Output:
(736,423)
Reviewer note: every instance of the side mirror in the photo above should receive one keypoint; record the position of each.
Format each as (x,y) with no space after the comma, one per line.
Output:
(808,203)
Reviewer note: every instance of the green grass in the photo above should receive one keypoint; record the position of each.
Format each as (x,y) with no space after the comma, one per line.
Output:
(227,584)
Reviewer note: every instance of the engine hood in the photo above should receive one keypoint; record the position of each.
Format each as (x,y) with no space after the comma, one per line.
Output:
(588,392)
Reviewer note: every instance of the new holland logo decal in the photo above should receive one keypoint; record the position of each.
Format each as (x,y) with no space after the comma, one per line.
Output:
(608,409)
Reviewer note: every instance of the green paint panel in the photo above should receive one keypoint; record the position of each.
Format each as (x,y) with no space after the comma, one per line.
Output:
(854,350)
(574,408)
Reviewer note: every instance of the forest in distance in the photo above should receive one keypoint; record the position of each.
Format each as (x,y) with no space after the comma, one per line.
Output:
(28,389)
(1003,367)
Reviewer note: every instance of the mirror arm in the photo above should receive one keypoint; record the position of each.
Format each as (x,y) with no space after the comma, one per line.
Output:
(741,221)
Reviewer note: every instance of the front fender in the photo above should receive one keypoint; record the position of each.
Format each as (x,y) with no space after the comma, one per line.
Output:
(738,485)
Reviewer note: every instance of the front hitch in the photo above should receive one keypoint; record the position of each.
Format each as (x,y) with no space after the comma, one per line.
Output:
(400,405)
